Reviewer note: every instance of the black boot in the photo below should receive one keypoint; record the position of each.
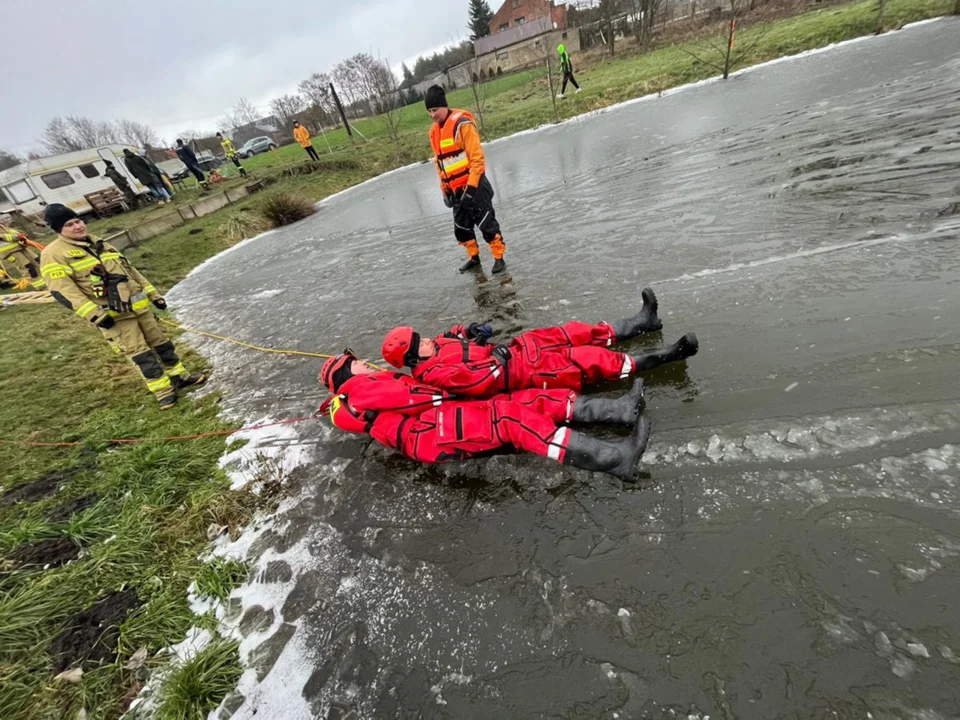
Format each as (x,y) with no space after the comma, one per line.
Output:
(187,379)
(683,348)
(473,262)
(168,401)
(623,410)
(618,459)
(643,322)
(498,266)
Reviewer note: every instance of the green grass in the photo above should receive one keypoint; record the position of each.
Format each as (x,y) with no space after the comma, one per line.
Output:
(219,576)
(198,687)
(60,382)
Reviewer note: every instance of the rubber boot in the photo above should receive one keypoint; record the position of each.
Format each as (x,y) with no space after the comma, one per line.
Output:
(618,459)
(473,262)
(499,266)
(685,347)
(623,410)
(643,322)
(186,380)
(168,401)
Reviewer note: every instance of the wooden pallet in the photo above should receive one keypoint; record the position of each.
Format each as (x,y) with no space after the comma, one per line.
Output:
(107,202)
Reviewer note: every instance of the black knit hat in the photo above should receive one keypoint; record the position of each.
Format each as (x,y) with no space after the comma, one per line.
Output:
(435,97)
(56,216)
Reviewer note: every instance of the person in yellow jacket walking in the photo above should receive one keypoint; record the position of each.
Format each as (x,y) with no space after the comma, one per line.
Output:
(231,152)
(94,280)
(302,136)
(463,181)
(15,250)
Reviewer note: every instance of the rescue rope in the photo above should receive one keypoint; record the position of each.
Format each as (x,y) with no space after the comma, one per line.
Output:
(241,343)
(137,441)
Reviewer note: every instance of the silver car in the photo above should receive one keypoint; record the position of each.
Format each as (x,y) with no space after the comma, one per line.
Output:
(255,146)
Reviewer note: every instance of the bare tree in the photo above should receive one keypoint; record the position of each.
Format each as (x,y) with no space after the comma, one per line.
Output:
(136,133)
(244,113)
(285,107)
(608,10)
(315,91)
(956,7)
(188,136)
(346,78)
(728,55)
(377,84)
(645,14)
(881,10)
(9,160)
(63,135)
(478,89)
(544,53)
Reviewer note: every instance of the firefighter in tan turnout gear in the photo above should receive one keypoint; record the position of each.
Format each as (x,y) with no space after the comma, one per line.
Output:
(15,250)
(99,284)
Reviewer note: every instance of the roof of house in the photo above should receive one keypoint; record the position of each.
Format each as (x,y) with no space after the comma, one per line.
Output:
(513,35)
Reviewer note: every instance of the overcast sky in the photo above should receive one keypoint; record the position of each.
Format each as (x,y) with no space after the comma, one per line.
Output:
(179,64)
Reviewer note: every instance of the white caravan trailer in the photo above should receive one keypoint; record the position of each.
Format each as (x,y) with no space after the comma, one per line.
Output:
(31,186)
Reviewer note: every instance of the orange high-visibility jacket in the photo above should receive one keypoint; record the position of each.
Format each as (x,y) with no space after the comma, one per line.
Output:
(457,150)
(302,136)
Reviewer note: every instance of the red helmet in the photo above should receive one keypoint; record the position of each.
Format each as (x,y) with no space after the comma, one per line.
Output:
(331,366)
(398,344)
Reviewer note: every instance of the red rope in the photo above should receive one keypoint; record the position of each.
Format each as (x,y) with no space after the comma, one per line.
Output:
(136,441)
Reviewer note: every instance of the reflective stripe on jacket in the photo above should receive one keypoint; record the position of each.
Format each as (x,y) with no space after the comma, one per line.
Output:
(66,265)
(455,143)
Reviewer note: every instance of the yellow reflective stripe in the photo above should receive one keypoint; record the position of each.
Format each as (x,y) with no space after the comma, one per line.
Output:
(56,267)
(452,167)
(38,284)
(149,289)
(84,264)
(177,369)
(158,385)
(139,305)
(87,308)
(11,246)
(110,256)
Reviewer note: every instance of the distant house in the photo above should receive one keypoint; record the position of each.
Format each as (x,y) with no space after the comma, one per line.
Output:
(514,13)
(524,33)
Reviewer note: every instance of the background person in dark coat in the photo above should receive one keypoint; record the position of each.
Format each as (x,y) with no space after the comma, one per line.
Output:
(190,160)
(142,171)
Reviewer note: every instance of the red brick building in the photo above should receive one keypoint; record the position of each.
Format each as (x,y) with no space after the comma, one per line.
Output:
(518,12)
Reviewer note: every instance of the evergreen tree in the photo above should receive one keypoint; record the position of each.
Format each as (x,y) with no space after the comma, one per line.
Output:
(408,78)
(480,18)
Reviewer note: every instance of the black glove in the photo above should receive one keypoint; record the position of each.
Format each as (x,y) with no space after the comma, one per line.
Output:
(469,198)
(501,353)
(449,199)
(106,322)
(159,303)
(479,332)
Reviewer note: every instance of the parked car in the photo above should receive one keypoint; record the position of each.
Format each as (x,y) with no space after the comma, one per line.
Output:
(256,146)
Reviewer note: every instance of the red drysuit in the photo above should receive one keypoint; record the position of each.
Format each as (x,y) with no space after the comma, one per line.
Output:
(567,356)
(425,424)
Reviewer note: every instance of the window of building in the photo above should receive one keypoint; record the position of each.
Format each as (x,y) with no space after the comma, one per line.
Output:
(20,192)
(504,26)
(517,3)
(90,171)
(58,179)
(502,54)
(564,36)
(520,20)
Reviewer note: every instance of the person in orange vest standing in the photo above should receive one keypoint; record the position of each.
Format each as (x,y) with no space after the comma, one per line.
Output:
(461,167)
(302,136)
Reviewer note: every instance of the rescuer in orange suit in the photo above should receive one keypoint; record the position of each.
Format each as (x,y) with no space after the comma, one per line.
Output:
(461,167)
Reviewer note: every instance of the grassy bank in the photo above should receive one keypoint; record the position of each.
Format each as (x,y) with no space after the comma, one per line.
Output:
(119,529)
